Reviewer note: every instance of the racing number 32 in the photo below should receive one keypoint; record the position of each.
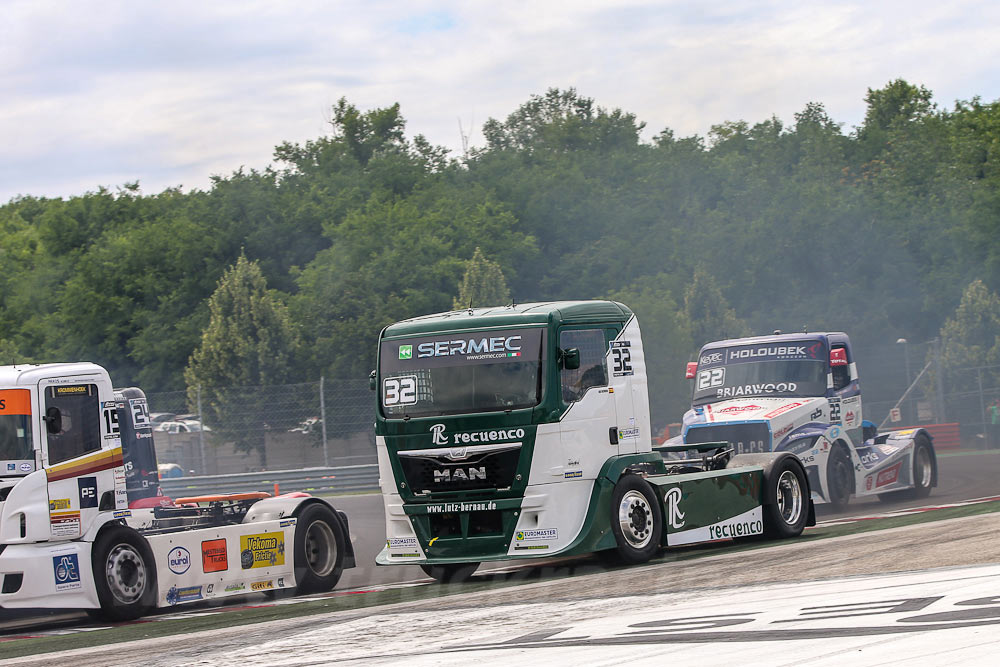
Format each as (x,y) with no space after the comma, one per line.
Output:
(400,391)
(623,359)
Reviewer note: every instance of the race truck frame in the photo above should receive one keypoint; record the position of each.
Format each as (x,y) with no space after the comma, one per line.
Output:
(523,432)
(800,393)
(84,524)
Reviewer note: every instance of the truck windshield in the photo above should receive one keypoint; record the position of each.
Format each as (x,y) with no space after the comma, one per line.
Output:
(457,373)
(15,429)
(792,368)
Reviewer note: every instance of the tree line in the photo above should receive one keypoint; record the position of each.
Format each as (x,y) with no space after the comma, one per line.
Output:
(876,230)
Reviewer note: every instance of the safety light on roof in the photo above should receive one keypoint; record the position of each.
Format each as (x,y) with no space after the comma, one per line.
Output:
(838,357)
(692,367)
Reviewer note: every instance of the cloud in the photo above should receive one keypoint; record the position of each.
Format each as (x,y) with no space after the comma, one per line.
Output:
(171,93)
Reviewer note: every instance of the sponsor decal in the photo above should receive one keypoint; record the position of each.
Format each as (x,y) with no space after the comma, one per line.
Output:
(179,560)
(870,458)
(262,585)
(438,436)
(405,351)
(121,498)
(15,402)
(721,531)
(816,414)
(235,588)
(74,391)
(782,410)
(281,582)
(710,358)
(59,504)
(849,418)
(140,414)
(537,534)
(142,435)
(214,557)
(774,352)
(573,474)
(496,347)
(26,467)
(121,514)
(64,524)
(462,507)
(747,523)
(183,594)
(756,389)
(285,523)
(401,543)
(209,589)
(888,450)
(262,550)
(628,433)
(868,483)
(780,433)
(11,467)
(675,517)
(737,409)
(519,546)
(66,569)
(888,476)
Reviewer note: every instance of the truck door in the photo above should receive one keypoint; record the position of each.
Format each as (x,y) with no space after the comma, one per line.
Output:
(81,453)
(589,427)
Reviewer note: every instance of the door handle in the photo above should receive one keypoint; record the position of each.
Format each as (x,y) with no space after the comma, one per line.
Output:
(613,435)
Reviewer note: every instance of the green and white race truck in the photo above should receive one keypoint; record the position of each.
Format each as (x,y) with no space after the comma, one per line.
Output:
(523,432)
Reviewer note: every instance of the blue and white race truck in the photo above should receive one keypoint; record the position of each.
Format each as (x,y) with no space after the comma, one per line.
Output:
(800,393)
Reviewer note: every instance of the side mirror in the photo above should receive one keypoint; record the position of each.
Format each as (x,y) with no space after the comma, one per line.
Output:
(571,358)
(53,420)
(692,368)
(372,381)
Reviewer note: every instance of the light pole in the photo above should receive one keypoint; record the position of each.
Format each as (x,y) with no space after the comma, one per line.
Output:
(906,359)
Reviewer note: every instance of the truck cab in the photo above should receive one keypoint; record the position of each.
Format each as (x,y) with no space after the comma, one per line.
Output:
(801,393)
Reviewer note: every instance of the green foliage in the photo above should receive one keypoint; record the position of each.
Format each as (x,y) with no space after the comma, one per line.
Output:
(249,341)
(482,285)
(757,226)
(971,337)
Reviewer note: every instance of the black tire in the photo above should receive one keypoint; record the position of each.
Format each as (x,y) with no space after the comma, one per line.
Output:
(839,477)
(788,515)
(923,473)
(124,574)
(450,573)
(636,520)
(319,549)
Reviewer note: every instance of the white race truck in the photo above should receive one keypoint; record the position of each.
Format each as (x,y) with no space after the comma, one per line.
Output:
(83,523)
(800,393)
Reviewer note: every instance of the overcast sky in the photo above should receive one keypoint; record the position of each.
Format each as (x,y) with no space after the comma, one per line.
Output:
(169,93)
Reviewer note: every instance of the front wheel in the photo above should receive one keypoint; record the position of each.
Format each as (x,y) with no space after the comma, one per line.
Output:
(124,575)
(450,573)
(319,549)
(839,478)
(636,520)
(788,515)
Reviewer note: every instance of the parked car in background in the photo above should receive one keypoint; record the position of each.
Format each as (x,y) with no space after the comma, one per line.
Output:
(160,417)
(180,427)
(166,470)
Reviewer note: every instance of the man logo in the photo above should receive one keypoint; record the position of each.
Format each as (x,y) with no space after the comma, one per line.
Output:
(405,351)
(674,514)
(458,453)
(437,435)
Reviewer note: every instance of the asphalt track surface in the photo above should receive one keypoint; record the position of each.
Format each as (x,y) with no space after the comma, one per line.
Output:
(962,476)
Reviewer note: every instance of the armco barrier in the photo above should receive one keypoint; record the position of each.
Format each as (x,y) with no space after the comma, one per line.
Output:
(343,479)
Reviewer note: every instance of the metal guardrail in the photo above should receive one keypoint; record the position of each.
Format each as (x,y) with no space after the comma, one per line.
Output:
(342,479)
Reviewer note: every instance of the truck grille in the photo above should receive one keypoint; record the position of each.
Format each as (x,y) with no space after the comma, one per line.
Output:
(746,438)
(487,467)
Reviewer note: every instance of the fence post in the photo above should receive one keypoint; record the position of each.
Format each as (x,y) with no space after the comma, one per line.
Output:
(201,435)
(322,421)
(987,431)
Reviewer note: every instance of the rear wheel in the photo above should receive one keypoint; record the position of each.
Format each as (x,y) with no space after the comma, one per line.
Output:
(839,477)
(923,474)
(124,575)
(450,573)
(788,515)
(636,520)
(319,549)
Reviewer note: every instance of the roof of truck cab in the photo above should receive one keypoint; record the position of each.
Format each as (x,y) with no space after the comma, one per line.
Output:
(540,313)
(773,338)
(27,375)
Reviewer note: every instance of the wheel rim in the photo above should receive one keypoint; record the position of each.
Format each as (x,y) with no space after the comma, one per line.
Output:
(789,493)
(635,517)
(126,574)
(924,469)
(321,548)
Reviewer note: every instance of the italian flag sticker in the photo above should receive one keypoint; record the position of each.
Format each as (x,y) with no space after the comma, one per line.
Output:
(513,354)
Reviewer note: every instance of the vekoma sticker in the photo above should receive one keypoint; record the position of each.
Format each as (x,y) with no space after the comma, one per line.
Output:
(262,550)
